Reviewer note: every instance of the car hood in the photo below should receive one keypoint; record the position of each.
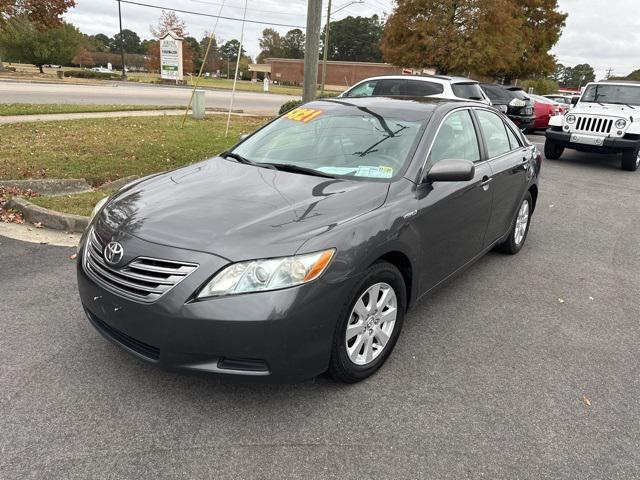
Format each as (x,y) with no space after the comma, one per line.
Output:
(237,211)
(604,109)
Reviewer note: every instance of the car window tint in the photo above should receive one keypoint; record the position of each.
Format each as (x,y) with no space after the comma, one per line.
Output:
(419,88)
(456,139)
(513,140)
(391,87)
(495,133)
(365,89)
(471,91)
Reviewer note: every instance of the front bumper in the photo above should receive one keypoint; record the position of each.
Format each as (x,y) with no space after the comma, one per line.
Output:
(614,145)
(283,335)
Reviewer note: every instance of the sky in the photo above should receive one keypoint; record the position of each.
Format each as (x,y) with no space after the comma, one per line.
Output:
(603,33)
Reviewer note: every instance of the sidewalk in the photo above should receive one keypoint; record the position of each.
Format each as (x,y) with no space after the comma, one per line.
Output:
(49,117)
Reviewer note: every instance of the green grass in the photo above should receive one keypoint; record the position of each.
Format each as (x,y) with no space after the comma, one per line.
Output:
(105,149)
(80,204)
(7,109)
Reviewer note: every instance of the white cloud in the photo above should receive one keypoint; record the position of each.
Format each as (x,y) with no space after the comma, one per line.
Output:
(605,34)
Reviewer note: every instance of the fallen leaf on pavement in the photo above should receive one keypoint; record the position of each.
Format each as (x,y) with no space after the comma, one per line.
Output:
(73,257)
(586,401)
(38,225)
(560,300)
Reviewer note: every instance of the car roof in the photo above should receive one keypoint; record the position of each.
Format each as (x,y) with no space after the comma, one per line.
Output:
(425,77)
(411,104)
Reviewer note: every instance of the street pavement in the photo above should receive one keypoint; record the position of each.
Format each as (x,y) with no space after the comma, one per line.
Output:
(523,367)
(117,93)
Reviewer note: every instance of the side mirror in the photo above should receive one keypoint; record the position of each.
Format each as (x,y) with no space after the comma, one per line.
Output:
(574,100)
(244,136)
(452,170)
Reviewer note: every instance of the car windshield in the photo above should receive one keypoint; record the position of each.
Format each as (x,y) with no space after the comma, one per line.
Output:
(519,94)
(338,139)
(616,94)
(471,91)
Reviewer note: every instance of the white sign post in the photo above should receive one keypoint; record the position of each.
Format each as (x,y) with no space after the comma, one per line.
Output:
(171,57)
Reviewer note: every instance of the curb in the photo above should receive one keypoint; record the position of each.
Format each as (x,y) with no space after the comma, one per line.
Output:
(49,218)
(50,186)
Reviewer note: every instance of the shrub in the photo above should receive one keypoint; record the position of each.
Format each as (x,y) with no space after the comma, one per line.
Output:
(90,74)
(540,86)
(290,105)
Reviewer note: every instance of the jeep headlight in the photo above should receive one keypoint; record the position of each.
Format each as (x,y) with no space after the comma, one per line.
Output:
(267,274)
(98,207)
(621,123)
(570,119)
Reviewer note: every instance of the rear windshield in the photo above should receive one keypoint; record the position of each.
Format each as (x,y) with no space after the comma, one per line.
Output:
(497,94)
(471,91)
(519,94)
(616,94)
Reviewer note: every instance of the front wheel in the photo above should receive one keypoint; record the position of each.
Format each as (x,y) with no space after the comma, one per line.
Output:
(520,227)
(631,159)
(552,150)
(369,324)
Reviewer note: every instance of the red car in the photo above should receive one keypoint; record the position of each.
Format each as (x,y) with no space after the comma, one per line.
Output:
(544,109)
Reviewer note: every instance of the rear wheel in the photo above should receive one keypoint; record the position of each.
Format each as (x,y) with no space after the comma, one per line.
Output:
(520,227)
(631,159)
(552,150)
(369,324)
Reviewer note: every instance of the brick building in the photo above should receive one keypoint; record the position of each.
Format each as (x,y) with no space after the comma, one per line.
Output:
(343,74)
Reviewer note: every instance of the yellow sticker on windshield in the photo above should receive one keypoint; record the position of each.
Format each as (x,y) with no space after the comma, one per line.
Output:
(303,115)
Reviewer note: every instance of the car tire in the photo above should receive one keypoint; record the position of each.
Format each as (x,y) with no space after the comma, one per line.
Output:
(631,159)
(347,352)
(552,150)
(519,230)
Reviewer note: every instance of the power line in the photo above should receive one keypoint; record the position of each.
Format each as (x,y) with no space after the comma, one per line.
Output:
(213,4)
(212,16)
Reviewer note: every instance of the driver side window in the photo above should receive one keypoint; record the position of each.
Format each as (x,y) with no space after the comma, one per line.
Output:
(456,139)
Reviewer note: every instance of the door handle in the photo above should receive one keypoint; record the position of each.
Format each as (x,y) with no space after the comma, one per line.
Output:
(485,182)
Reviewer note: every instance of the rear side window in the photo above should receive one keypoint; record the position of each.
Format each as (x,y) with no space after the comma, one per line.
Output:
(470,91)
(391,87)
(365,89)
(456,139)
(495,133)
(513,140)
(418,88)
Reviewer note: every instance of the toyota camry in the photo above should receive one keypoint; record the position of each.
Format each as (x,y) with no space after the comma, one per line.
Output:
(299,250)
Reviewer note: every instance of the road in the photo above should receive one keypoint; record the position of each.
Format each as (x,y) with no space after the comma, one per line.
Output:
(523,367)
(134,94)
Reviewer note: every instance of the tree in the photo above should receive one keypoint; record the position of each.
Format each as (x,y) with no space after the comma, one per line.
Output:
(293,44)
(44,13)
(22,40)
(541,25)
(213,61)
(169,21)
(355,39)
(195,52)
(579,75)
(453,36)
(230,50)
(83,58)
(101,42)
(128,38)
(270,45)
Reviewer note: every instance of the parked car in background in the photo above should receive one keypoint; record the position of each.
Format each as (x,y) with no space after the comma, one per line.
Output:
(605,119)
(300,249)
(560,98)
(101,70)
(545,108)
(437,86)
(513,102)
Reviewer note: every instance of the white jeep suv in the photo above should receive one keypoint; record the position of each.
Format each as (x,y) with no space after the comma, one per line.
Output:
(438,86)
(606,119)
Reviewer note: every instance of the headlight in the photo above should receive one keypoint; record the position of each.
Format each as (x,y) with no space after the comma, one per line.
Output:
(97,208)
(268,274)
(621,123)
(571,119)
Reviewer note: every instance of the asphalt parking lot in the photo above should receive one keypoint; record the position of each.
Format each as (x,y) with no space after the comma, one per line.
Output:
(523,367)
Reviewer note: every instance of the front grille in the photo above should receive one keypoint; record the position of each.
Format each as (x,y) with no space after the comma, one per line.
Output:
(592,124)
(143,279)
(141,348)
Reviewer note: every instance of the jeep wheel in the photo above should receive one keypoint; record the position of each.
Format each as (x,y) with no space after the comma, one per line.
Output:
(552,150)
(631,159)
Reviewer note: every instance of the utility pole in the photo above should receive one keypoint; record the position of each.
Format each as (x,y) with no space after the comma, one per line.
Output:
(124,68)
(311,49)
(609,72)
(325,48)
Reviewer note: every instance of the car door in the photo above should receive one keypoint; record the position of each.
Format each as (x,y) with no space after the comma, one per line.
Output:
(509,161)
(452,217)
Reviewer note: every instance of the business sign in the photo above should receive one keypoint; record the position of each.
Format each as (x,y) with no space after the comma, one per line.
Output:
(171,57)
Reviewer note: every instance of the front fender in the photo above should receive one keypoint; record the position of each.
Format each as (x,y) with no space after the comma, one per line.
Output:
(556,121)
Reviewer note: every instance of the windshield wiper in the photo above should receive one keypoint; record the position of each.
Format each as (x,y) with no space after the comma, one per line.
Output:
(289,167)
(622,103)
(240,159)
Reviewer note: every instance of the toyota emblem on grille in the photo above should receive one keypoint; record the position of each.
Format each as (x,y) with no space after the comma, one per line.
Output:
(113,253)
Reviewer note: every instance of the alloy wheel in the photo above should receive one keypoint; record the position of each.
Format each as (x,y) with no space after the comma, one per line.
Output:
(371,323)
(521,223)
